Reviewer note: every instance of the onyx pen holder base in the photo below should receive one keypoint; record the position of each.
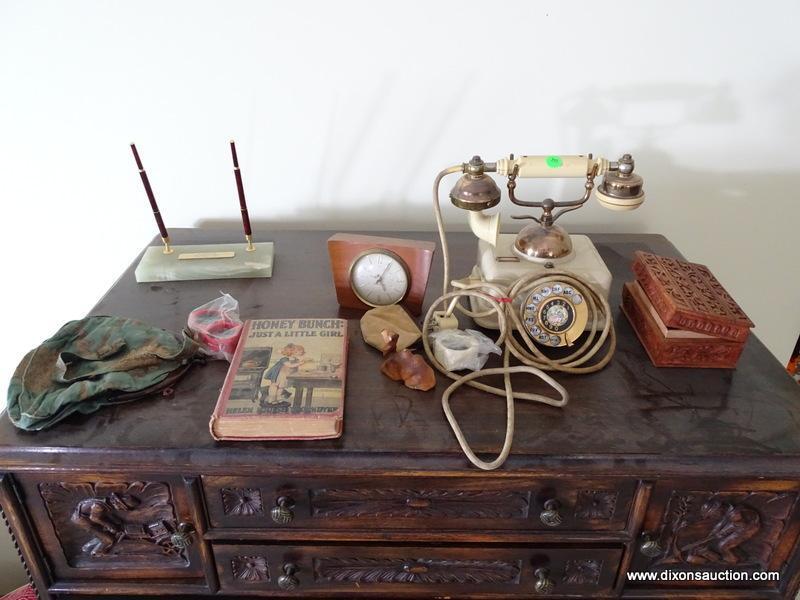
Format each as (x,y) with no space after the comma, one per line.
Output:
(206,261)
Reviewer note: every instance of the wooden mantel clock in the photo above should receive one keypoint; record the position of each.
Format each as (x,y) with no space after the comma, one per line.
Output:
(370,271)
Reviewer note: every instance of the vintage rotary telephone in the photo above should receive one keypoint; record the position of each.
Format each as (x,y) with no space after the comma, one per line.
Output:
(541,288)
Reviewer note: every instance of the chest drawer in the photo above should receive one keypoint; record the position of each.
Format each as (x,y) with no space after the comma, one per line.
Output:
(456,572)
(418,503)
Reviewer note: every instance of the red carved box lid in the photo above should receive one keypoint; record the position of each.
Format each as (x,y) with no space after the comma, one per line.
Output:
(688,296)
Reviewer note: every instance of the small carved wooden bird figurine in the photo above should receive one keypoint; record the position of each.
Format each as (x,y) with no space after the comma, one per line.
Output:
(411,368)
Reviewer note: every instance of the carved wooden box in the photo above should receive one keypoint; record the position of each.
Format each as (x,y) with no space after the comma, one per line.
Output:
(682,314)
(688,297)
(674,347)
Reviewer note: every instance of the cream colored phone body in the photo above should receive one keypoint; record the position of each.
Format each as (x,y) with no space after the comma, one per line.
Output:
(499,264)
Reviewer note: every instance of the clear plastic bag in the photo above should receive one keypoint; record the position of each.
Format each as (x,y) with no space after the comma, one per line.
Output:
(216,326)
(458,349)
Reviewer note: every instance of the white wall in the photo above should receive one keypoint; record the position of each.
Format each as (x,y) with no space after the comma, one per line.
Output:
(344,111)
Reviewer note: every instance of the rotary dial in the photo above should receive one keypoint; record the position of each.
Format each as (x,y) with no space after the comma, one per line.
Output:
(554,314)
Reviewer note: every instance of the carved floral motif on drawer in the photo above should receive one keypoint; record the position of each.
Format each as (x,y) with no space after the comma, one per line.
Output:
(720,529)
(121,524)
(415,570)
(582,572)
(242,501)
(390,503)
(250,569)
(596,505)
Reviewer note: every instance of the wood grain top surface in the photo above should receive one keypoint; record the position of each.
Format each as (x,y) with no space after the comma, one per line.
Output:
(630,408)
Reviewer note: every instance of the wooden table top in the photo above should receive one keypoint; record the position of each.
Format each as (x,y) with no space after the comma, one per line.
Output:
(630,416)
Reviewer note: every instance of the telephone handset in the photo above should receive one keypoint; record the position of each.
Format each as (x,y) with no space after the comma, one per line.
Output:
(621,189)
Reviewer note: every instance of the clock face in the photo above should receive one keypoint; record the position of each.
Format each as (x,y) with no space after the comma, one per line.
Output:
(379,278)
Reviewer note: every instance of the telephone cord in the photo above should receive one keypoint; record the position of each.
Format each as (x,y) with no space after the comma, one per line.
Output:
(534,361)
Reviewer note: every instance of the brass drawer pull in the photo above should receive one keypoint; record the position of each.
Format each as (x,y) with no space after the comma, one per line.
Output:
(650,546)
(183,536)
(544,585)
(418,502)
(550,515)
(288,581)
(282,512)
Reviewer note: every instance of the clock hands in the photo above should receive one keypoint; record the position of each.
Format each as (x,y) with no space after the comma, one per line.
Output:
(380,277)
(384,271)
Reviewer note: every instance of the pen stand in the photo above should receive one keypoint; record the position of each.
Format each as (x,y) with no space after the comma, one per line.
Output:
(207,261)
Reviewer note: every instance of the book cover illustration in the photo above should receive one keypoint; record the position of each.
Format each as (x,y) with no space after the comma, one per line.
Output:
(285,371)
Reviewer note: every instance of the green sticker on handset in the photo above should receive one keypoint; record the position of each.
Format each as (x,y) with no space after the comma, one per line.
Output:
(554,162)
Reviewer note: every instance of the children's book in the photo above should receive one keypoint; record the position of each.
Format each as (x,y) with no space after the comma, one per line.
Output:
(286,382)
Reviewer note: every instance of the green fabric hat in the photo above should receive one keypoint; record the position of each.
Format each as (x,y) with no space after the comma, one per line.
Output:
(94,362)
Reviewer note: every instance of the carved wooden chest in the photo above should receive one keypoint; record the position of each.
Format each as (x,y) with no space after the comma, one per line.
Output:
(661,472)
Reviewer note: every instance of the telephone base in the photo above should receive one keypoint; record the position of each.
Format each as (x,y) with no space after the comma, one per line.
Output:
(499,264)
(207,261)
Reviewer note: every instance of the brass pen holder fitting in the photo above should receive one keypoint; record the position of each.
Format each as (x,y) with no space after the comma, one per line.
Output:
(167,248)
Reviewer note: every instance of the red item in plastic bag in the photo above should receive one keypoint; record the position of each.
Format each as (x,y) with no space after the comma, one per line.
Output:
(216,326)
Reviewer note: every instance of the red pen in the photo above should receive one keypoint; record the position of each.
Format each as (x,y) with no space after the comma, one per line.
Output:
(248,233)
(162,229)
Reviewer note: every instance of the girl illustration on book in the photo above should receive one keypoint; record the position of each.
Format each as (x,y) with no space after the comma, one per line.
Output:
(274,379)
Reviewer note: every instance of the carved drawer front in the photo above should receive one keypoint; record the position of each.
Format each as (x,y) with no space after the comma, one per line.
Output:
(456,572)
(423,502)
(98,527)
(718,527)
